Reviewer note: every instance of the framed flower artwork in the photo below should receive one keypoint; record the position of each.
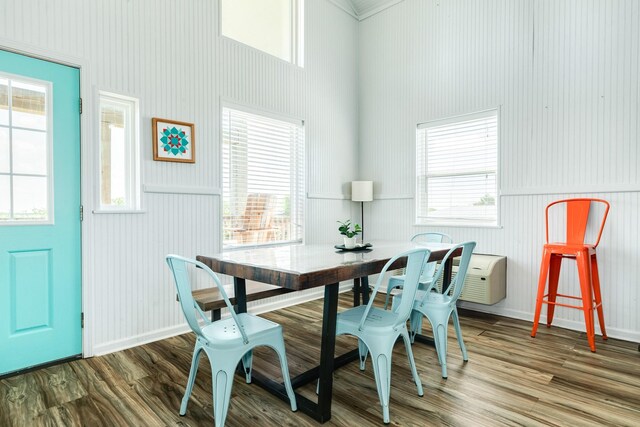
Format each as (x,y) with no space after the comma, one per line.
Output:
(173,141)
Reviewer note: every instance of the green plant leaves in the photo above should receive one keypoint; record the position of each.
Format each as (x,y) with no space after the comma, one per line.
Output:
(345,228)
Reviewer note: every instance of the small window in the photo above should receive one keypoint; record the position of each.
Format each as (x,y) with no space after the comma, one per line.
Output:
(119,160)
(26,193)
(263,179)
(272,26)
(457,170)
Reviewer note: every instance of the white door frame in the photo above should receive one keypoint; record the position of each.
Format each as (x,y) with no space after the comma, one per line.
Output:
(87,183)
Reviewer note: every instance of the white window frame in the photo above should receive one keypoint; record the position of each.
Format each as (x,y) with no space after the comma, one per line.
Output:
(226,104)
(297,34)
(50,178)
(133,203)
(420,217)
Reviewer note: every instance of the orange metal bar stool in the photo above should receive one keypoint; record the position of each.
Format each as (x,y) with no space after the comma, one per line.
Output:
(585,256)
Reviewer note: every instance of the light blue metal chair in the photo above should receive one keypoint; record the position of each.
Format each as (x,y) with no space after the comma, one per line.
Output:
(226,341)
(439,307)
(378,330)
(429,270)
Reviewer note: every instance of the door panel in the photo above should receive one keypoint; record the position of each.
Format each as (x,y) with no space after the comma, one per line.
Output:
(30,285)
(40,269)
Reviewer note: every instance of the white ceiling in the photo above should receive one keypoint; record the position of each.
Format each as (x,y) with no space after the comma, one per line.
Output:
(362,9)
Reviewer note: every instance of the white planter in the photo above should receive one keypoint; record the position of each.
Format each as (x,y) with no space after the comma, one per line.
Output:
(350,242)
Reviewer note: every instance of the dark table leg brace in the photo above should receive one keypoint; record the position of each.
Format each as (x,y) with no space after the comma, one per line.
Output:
(360,289)
(320,411)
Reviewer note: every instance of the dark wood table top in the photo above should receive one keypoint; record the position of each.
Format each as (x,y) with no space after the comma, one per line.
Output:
(299,267)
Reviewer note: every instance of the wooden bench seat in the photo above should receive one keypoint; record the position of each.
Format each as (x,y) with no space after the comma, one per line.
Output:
(209,299)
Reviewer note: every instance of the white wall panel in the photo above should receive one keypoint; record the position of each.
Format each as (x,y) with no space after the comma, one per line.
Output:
(169,55)
(565,76)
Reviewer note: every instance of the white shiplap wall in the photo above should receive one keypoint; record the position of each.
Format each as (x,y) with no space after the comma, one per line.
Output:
(565,76)
(169,55)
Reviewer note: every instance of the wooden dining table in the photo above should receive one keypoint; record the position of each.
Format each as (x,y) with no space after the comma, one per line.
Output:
(300,267)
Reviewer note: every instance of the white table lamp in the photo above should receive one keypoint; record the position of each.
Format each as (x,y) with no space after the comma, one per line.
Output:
(362,191)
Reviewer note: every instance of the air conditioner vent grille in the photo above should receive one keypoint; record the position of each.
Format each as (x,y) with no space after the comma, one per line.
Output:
(486,281)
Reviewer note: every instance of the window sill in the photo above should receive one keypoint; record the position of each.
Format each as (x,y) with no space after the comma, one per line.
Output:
(17,223)
(119,211)
(261,246)
(456,224)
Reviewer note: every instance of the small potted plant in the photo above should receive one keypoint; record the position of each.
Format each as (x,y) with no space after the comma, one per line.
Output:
(349,233)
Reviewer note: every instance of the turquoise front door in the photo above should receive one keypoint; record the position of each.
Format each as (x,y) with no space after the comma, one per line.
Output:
(40,265)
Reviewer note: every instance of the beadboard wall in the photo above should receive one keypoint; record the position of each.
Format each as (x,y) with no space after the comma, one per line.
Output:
(171,57)
(564,75)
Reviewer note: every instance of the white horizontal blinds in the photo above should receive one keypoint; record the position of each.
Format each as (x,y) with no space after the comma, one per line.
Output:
(457,169)
(263,179)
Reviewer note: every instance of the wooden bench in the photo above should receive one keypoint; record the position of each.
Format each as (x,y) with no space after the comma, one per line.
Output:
(210,299)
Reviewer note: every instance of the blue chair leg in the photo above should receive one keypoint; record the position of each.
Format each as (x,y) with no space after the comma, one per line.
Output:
(222,376)
(393,284)
(195,361)
(247,361)
(386,298)
(412,363)
(284,366)
(440,339)
(415,324)
(382,371)
(456,324)
(363,350)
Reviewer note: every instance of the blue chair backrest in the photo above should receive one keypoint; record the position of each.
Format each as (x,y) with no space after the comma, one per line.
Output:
(178,266)
(430,237)
(416,259)
(457,282)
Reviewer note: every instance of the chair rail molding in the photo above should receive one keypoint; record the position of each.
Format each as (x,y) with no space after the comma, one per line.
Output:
(170,189)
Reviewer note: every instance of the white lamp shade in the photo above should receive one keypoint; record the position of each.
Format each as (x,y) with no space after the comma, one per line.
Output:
(362,191)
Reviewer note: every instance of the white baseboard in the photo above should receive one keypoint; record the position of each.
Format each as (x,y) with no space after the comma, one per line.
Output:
(123,344)
(622,334)
(276,303)
(256,307)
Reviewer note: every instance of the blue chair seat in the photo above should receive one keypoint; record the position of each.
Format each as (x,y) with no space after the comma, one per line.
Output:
(225,334)
(376,318)
(429,297)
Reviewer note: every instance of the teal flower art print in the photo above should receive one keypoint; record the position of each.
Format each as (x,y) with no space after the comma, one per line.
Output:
(173,141)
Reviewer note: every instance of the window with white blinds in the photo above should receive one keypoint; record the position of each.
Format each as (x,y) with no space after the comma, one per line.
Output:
(457,170)
(263,179)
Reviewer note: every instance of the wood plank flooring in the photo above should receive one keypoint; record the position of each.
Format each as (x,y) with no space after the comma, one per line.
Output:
(510,379)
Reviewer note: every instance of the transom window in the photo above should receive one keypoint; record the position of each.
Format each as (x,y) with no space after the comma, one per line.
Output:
(263,179)
(457,170)
(26,194)
(272,26)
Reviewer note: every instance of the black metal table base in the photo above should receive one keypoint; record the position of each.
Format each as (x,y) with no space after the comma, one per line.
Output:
(320,410)
(305,405)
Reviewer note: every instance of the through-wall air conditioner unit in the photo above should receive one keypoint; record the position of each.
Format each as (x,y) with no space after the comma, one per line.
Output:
(486,281)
